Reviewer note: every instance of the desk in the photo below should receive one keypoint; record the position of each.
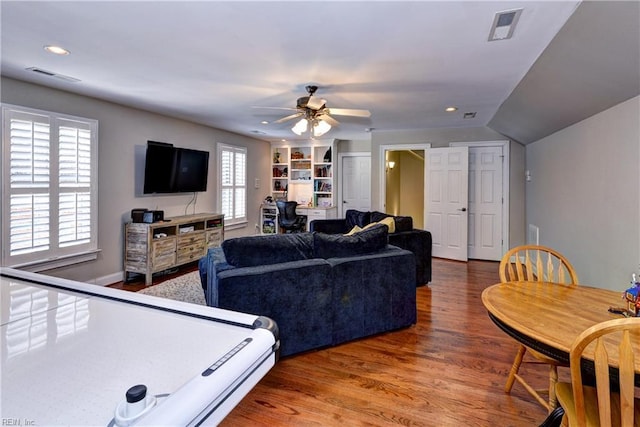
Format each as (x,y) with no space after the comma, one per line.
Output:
(71,350)
(319,212)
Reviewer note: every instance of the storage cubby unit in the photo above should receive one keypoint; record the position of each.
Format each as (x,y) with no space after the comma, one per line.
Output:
(150,248)
(268,218)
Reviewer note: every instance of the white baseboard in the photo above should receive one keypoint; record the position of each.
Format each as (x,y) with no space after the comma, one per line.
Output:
(109,279)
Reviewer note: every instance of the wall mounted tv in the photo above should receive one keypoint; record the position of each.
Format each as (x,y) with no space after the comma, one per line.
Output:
(168,169)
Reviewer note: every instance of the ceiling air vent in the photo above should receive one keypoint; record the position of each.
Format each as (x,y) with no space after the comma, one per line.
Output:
(52,74)
(503,24)
(469,115)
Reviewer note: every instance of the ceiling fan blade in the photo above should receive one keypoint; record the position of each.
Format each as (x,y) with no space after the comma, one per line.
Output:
(327,118)
(349,112)
(315,103)
(275,108)
(292,116)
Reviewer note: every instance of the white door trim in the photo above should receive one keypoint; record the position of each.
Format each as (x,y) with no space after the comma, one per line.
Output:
(382,170)
(338,170)
(504,144)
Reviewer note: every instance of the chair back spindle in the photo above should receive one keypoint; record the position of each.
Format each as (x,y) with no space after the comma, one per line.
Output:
(528,263)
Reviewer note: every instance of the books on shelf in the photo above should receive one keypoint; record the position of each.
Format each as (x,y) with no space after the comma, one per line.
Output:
(322,186)
(323,172)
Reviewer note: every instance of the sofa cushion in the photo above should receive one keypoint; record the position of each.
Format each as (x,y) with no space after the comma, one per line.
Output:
(354,217)
(251,251)
(388,221)
(367,241)
(403,223)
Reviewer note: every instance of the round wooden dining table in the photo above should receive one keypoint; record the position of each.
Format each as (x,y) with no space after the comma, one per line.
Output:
(548,316)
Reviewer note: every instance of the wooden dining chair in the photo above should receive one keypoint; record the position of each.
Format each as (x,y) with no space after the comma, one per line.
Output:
(585,405)
(535,263)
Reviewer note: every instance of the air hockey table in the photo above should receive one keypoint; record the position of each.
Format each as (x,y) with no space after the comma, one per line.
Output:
(71,351)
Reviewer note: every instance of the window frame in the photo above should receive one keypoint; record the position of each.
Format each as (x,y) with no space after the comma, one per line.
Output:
(57,254)
(239,220)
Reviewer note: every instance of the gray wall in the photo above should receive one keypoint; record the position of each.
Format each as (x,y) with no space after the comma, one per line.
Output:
(123,132)
(584,194)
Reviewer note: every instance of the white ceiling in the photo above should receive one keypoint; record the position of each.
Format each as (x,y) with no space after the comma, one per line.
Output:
(212,61)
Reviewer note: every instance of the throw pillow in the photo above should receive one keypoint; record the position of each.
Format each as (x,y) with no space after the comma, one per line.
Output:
(367,241)
(402,223)
(388,221)
(353,231)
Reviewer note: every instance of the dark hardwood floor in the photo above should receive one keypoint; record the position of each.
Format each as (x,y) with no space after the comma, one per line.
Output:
(447,370)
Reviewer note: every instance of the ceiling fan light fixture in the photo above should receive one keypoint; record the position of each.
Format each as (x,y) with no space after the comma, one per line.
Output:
(300,127)
(320,128)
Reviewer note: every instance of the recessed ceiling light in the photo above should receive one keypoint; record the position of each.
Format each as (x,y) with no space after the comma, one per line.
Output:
(264,122)
(57,50)
(451,109)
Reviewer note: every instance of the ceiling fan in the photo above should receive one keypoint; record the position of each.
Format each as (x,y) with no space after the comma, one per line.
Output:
(315,115)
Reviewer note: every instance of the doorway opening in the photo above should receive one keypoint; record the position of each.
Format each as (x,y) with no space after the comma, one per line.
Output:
(404,184)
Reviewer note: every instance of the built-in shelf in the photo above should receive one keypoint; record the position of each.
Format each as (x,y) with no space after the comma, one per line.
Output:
(304,173)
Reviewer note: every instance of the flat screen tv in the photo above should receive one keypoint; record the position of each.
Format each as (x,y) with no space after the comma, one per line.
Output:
(169,169)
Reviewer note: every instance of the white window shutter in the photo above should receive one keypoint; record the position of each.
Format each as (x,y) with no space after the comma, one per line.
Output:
(233,177)
(49,189)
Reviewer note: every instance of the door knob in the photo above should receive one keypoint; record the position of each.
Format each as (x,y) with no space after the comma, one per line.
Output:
(463,209)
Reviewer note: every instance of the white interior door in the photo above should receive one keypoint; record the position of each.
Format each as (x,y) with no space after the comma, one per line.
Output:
(485,203)
(446,201)
(355,183)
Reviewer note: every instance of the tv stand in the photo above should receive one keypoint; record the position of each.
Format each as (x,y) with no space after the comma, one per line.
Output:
(151,248)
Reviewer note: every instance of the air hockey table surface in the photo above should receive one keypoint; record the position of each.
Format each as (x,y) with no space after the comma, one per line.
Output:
(71,350)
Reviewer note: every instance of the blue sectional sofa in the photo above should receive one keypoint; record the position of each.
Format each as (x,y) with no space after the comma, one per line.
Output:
(403,236)
(321,289)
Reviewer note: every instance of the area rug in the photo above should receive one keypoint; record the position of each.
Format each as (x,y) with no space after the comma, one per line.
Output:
(185,288)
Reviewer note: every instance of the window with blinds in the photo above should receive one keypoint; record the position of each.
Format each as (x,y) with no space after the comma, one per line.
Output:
(232,194)
(49,192)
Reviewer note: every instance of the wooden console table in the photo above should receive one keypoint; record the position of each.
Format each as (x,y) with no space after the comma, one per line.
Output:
(150,248)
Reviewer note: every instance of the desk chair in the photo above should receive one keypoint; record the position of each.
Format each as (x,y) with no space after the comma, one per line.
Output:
(599,406)
(536,263)
(288,220)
